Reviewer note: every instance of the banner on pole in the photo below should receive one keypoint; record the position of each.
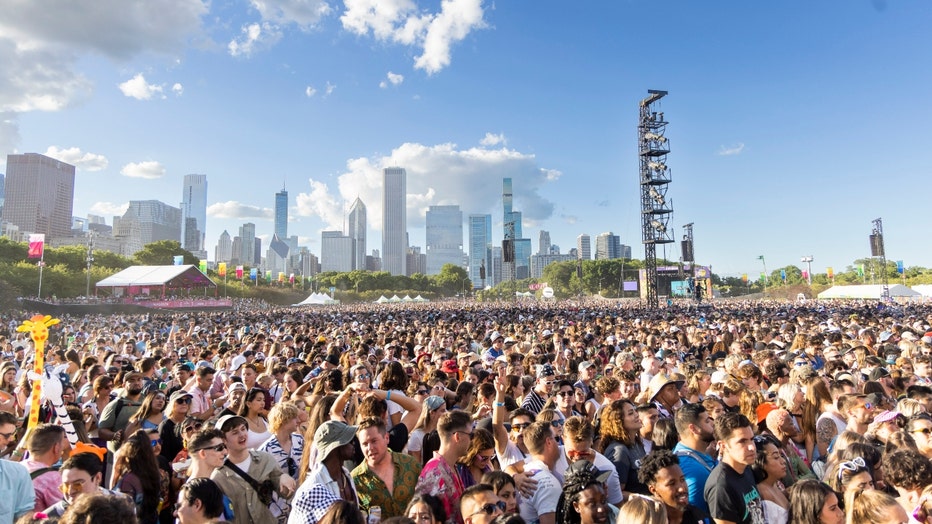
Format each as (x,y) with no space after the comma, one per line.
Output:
(253,274)
(178,260)
(830,272)
(36,245)
(239,272)
(222,269)
(900,268)
(203,266)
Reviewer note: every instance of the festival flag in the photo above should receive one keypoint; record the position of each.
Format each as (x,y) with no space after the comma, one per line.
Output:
(805,274)
(222,269)
(291,278)
(178,260)
(239,272)
(783,275)
(281,276)
(860,270)
(763,277)
(830,272)
(253,274)
(744,277)
(203,266)
(900,268)
(36,245)
(268,275)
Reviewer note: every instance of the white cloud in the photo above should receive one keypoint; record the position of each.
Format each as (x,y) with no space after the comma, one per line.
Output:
(42,40)
(178,89)
(329,89)
(309,91)
(148,169)
(81,160)
(9,134)
(402,22)
(393,79)
(731,151)
(491,139)
(305,13)
(109,209)
(138,88)
(255,37)
(436,175)
(234,209)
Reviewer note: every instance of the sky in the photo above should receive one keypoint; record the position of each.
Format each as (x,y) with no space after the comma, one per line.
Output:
(792,125)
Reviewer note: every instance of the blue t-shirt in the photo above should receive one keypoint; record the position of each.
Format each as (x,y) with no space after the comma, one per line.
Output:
(696,467)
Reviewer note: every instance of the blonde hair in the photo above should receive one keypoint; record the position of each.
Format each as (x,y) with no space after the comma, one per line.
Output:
(642,509)
(909,407)
(282,413)
(868,506)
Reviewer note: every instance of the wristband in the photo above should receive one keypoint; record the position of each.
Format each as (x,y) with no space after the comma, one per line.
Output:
(388,395)
(499,404)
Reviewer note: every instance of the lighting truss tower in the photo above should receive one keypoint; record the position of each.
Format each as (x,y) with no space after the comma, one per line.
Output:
(656,210)
(877,250)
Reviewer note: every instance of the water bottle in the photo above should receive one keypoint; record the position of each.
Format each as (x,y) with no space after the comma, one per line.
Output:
(375,515)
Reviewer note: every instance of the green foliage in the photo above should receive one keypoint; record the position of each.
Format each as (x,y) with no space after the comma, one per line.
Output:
(162,253)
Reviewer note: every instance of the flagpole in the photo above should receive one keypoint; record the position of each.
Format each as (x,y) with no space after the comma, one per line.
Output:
(41,267)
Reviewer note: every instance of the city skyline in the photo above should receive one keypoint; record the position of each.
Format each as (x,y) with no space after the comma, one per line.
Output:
(776,120)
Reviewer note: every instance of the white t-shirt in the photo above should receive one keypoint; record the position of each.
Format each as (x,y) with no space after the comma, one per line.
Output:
(544,500)
(601,462)
(512,455)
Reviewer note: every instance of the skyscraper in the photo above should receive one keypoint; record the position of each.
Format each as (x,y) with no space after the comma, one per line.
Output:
(39,194)
(516,250)
(144,222)
(394,221)
(281,214)
(584,246)
(194,214)
(480,244)
(357,233)
(247,235)
(444,237)
(2,180)
(607,246)
(544,243)
(224,250)
(336,251)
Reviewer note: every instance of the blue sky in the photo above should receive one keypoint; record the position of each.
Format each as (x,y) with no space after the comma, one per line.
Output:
(792,124)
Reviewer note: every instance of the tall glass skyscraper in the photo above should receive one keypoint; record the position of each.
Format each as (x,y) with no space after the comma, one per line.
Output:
(357,233)
(394,220)
(281,213)
(194,214)
(39,195)
(444,237)
(480,244)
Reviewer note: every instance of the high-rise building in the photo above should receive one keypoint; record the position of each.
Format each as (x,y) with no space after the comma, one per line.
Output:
(480,255)
(224,249)
(444,237)
(39,195)
(281,214)
(236,249)
(607,246)
(336,252)
(584,247)
(394,221)
(539,262)
(2,181)
(247,236)
(194,214)
(357,233)
(519,247)
(416,261)
(544,243)
(144,222)
(277,256)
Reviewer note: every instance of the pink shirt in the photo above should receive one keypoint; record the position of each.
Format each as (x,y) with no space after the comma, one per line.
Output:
(46,485)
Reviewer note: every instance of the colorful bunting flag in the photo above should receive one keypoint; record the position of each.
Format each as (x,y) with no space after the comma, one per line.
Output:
(36,245)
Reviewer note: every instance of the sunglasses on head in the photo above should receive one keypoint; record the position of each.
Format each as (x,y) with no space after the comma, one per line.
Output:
(853,466)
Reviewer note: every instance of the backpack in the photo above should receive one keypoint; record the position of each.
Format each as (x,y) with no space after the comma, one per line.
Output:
(42,471)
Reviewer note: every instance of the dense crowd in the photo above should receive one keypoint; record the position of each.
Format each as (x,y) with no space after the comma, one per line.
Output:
(571,412)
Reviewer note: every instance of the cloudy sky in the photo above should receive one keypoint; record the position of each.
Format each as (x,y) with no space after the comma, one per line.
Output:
(792,124)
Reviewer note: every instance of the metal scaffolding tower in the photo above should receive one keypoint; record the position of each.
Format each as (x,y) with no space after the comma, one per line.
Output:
(656,209)
(877,250)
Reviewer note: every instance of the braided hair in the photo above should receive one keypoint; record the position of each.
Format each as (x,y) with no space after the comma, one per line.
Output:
(578,477)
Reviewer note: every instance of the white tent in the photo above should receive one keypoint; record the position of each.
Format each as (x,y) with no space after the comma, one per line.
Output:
(395,298)
(867,291)
(381,300)
(923,289)
(407,298)
(419,298)
(316,299)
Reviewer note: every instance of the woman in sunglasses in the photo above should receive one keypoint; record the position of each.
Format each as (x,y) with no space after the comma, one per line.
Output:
(850,476)
(478,458)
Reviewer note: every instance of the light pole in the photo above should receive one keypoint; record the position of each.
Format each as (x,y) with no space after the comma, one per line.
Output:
(90,261)
(467,279)
(808,261)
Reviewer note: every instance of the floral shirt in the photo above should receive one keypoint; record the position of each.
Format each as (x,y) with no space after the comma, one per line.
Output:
(438,478)
(373,491)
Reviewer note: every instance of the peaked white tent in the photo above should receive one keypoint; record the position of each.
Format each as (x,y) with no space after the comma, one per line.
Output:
(381,300)
(316,299)
(419,298)
(867,291)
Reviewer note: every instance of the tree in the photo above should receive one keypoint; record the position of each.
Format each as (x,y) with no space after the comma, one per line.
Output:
(162,253)
(450,279)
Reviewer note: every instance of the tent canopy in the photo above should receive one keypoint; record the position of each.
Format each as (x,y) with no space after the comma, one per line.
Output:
(866,291)
(316,299)
(176,277)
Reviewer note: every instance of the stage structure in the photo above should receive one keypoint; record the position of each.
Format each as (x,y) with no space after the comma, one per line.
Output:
(656,209)
(877,250)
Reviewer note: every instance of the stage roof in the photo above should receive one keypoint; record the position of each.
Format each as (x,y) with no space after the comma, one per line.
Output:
(168,276)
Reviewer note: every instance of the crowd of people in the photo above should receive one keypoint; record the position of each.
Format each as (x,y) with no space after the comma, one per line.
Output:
(467,413)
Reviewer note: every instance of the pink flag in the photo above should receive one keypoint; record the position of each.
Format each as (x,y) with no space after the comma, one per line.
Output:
(36,245)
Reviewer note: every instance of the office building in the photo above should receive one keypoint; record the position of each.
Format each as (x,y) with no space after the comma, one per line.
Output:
(144,222)
(607,246)
(357,233)
(194,215)
(444,237)
(516,263)
(416,261)
(39,195)
(224,250)
(543,243)
(281,214)
(480,254)
(277,256)
(336,252)
(584,247)
(247,237)
(539,262)
(2,182)
(394,221)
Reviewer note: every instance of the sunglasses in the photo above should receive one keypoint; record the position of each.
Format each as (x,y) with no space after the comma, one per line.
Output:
(183,400)
(556,423)
(292,466)
(422,392)
(853,466)
(218,448)
(566,393)
(467,433)
(156,442)
(924,431)
(490,509)
(520,427)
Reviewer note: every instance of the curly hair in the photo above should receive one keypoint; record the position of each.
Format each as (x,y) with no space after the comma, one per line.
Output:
(393,377)
(95,508)
(607,384)
(907,469)
(655,461)
(612,425)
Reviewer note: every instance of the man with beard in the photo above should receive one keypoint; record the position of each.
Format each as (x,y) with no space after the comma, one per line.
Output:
(858,411)
(116,414)
(385,479)
(696,435)
(730,489)
(660,471)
